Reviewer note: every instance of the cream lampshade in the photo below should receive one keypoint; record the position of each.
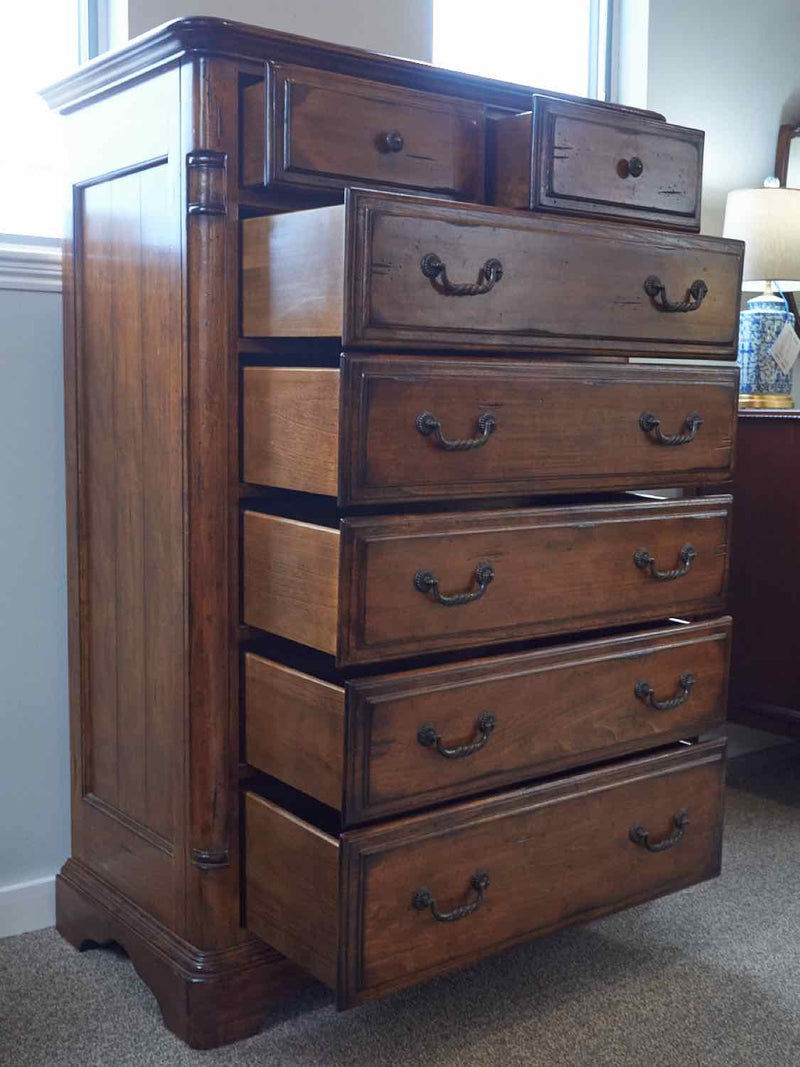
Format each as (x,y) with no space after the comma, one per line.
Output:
(768,221)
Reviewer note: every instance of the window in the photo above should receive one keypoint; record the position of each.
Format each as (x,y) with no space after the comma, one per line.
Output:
(561,45)
(31,181)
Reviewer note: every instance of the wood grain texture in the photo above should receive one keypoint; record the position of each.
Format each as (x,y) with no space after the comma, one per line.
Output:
(572,158)
(555,709)
(293,274)
(207,998)
(252,45)
(567,285)
(292,886)
(560,427)
(557,570)
(765,587)
(290,429)
(124,400)
(325,131)
(291,579)
(294,728)
(556,854)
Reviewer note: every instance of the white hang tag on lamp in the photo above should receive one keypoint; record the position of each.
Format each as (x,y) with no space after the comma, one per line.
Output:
(786,348)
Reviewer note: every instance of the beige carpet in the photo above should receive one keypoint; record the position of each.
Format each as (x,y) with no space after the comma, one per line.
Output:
(710,976)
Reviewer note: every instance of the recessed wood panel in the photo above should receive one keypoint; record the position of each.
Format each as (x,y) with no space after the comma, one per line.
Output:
(131,485)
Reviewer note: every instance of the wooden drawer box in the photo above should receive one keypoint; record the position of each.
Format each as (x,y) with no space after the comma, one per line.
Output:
(381,746)
(359,911)
(394,586)
(389,271)
(323,131)
(575,158)
(537,427)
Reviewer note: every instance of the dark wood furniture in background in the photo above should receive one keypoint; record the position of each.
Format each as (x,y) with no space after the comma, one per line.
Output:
(765,573)
(316,728)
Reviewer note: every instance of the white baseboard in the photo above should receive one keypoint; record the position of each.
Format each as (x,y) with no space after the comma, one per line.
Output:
(27,906)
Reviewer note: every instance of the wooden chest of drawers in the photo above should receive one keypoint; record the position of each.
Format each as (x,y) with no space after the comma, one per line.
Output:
(378,663)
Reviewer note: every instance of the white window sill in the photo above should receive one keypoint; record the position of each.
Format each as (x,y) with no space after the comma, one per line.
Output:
(31,263)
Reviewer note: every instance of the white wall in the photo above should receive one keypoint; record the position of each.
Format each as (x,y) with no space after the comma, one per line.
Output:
(34,727)
(397,27)
(731,68)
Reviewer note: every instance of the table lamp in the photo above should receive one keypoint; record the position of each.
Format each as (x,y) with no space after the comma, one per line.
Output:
(768,220)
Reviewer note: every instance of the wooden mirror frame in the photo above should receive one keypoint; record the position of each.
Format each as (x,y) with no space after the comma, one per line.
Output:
(786,134)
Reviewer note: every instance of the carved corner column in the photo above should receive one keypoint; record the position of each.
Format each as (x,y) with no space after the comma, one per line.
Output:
(209,90)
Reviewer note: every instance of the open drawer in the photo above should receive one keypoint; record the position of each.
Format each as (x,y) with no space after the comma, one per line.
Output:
(385,907)
(380,746)
(429,428)
(386,587)
(399,272)
(578,158)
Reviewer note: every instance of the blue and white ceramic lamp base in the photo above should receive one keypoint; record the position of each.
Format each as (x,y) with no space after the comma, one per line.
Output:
(762,383)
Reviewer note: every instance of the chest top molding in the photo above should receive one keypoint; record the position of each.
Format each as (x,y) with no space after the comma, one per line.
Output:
(221,37)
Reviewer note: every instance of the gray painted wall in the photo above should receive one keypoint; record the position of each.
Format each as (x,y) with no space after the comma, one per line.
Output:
(34,734)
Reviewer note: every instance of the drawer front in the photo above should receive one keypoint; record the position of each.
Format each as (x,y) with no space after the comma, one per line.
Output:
(545,857)
(329,130)
(562,284)
(423,737)
(454,428)
(627,166)
(521,574)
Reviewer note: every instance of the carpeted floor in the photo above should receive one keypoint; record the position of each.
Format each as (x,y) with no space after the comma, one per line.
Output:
(710,976)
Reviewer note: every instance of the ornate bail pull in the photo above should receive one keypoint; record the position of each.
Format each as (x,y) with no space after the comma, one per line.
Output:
(428,737)
(424,899)
(650,424)
(657,292)
(645,692)
(428,424)
(645,562)
(490,273)
(640,836)
(427,582)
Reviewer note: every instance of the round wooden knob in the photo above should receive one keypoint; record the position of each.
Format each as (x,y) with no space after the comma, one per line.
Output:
(392,142)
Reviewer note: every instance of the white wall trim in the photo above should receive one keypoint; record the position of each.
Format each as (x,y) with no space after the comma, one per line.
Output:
(27,906)
(32,263)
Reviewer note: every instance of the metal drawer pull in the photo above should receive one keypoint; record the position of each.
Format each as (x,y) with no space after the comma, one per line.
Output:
(424,899)
(658,294)
(640,836)
(645,692)
(391,142)
(433,268)
(634,167)
(427,582)
(650,424)
(645,562)
(428,737)
(428,424)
